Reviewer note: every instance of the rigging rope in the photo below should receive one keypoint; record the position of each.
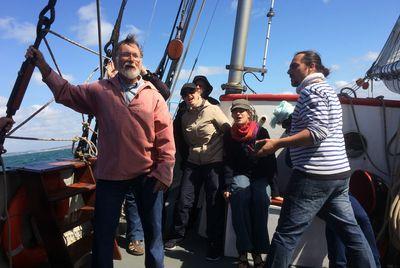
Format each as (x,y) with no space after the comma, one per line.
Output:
(387,65)
(183,58)
(52,56)
(76,44)
(18,92)
(180,35)
(364,146)
(165,59)
(92,149)
(392,211)
(202,42)
(27,67)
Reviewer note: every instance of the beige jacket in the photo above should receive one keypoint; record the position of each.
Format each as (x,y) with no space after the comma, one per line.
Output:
(203,129)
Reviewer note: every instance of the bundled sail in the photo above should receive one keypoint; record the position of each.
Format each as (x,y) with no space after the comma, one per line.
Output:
(387,65)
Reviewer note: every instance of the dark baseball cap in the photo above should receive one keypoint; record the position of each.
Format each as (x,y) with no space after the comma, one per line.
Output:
(208,88)
(188,88)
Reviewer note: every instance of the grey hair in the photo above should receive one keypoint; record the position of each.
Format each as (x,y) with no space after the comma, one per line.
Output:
(129,39)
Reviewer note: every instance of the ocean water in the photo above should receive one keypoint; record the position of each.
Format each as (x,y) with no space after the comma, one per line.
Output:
(13,160)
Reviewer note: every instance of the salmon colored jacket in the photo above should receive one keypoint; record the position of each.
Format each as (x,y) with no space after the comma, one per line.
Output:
(134,139)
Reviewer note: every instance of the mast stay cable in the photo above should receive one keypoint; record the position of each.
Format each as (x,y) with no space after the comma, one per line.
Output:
(263,70)
(164,60)
(181,35)
(74,42)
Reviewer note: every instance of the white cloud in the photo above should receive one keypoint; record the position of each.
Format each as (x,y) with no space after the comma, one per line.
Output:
(379,88)
(211,70)
(203,70)
(132,29)
(37,78)
(287,92)
(368,57)
(23,32)
(86,28)
(54,121)
(3,101)
(335,67)
(340,84)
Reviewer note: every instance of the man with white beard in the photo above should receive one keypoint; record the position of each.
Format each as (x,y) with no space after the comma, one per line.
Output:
(136,147)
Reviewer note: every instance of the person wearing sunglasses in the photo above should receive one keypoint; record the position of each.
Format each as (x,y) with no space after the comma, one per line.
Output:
(203,126)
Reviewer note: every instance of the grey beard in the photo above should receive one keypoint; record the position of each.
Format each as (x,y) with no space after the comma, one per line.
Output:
(129,74)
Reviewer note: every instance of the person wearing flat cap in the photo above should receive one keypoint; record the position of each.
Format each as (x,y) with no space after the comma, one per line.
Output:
(203,126)
(246,181)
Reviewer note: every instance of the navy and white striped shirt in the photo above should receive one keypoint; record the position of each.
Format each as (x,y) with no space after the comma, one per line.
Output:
(318,109)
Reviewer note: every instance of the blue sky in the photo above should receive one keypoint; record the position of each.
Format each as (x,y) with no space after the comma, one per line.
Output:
(348,34)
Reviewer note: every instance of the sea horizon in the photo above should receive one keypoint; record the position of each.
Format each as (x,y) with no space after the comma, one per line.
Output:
(19,159)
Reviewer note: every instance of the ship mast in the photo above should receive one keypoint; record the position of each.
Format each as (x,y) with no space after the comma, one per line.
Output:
(239,45)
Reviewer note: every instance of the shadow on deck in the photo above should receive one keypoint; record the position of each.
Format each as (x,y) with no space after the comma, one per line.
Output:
(191,254)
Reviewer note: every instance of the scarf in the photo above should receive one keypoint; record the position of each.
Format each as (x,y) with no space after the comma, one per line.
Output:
(244,133)
(310,79)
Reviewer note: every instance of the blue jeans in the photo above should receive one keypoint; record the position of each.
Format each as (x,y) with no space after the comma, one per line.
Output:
(249,203)
(336,248)
(134,229)
(305,198)
(109,198)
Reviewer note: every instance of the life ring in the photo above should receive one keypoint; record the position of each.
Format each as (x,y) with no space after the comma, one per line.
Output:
(371,192)
(25,252)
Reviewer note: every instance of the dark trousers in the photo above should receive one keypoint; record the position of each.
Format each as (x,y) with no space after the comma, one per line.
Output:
(336,248)
(193,178)
(109,198)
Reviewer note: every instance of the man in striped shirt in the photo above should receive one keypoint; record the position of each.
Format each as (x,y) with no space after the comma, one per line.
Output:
(319,183)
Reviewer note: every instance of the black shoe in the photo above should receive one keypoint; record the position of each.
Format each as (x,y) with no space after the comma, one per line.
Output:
(172,243)
(213,254)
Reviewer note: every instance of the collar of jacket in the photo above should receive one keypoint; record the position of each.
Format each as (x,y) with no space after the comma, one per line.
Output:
(203,104)
(144,85)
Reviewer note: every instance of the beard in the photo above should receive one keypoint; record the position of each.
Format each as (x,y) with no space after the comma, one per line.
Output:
(130,74)
(130,71)
(294,83)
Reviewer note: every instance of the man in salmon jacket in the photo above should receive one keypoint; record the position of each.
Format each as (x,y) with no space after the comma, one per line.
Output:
(136,147)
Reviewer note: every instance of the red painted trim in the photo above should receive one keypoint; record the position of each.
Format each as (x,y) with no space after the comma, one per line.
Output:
(294,97)
(260,97)
(370,102)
